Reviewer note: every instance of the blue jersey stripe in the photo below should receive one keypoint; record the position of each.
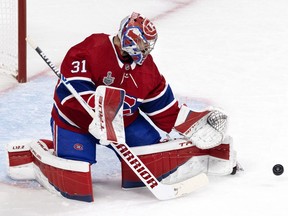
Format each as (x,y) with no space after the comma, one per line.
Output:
(158,103)
(84,86)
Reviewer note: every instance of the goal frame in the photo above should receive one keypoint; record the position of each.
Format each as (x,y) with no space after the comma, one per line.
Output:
(22,48)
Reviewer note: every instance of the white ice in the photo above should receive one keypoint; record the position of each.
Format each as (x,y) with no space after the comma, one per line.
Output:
(229,53)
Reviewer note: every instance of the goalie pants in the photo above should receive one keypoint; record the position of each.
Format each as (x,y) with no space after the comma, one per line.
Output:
(82,147)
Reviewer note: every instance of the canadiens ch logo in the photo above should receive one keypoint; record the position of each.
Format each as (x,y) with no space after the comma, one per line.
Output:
(108,80)
(78,147)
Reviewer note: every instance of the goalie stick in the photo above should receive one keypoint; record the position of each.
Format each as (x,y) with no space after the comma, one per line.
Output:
(159,190)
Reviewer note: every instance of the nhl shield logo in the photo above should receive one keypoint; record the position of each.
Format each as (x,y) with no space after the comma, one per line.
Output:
(108,80)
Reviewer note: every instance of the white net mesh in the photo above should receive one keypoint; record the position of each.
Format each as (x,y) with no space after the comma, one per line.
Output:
(8,37)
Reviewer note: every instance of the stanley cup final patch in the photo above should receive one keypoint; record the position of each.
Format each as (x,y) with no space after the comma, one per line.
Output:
(108,80)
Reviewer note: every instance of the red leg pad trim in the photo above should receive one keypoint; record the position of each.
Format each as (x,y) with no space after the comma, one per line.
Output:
(19,158)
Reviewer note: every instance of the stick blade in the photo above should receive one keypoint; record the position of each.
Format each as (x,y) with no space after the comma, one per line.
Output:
(166,192)
(191,185)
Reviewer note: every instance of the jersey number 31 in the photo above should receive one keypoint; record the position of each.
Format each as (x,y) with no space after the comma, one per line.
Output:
(79,66)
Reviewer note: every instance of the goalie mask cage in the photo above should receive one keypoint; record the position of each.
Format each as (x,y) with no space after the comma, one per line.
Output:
(12,39)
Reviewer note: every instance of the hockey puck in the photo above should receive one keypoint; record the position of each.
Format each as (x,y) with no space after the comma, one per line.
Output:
(278,169)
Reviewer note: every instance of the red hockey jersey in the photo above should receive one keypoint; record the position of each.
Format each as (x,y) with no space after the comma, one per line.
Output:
(95,62)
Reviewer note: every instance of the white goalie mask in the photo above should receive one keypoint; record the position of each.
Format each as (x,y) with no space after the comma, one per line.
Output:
(138,36)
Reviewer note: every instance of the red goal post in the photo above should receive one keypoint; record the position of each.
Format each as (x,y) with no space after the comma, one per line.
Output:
(13,54)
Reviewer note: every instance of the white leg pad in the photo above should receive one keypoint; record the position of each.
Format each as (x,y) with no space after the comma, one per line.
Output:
(34,160)
(22,172)
(179,159)
(24,169)
(211,165)
(43,180)
(193,167)
(220,166)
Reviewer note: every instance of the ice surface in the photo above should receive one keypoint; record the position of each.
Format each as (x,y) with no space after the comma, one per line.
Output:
(226,52)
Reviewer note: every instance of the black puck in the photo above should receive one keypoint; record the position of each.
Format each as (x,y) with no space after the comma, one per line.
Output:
(278,169)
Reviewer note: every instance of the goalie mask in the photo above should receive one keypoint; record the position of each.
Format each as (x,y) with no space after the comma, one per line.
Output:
(138,36)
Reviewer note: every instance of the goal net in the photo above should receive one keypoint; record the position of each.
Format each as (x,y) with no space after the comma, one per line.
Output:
(12,38)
